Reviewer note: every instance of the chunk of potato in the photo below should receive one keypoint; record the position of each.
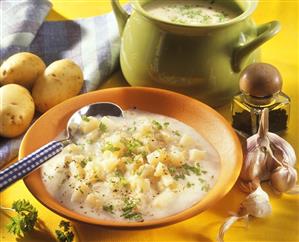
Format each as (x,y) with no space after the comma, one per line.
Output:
(161,170)
(22,68)
(163,199)
(93,201)
(89,124)
(61,80)
(186,140)
(16,110)
(157,156)
(176,157)
(196,154)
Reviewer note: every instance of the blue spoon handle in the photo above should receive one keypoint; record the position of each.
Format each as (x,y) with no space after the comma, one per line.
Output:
(26,165)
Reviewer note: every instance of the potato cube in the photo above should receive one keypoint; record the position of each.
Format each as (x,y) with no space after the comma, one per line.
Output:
(76,170)
(79,193)
(164,199)
(196,154)
(110,164)
(108,122)
(186,140)
(73,148)
(161,170)
(167,180)
(77,196)
(157,156)
(93,201)
(166,136)
(146,170)
(89,124)
(176,157)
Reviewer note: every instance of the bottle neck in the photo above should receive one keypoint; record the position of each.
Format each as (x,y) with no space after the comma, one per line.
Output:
(260,101)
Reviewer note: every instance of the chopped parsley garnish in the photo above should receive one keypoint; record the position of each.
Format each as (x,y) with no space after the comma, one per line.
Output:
(129,210)
(85,118)
(103,127)
(177,133)
(156,124)
(83,163)
(122,180)
(110,147)
(166,124)
(195,169)
(108,208)
(181,172)
(131,145)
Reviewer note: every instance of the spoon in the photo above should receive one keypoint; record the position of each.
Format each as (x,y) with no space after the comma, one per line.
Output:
(26,165)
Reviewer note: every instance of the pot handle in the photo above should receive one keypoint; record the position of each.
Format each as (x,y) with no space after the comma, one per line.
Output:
(120,14)
(264,33)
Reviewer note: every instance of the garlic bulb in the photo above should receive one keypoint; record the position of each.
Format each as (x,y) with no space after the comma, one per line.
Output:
(283,178)
(266,152)
(256,204)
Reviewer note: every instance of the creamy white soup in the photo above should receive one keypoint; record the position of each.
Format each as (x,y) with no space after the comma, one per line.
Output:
(140,167)
(191,12)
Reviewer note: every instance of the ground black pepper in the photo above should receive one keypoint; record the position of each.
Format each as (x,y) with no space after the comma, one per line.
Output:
(277,121)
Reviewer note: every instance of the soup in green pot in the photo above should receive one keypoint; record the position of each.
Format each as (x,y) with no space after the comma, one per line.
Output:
(193,12)
(194,47)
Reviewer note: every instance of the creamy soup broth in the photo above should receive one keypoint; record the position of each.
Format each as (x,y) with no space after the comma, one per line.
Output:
(140,167)
(190,12)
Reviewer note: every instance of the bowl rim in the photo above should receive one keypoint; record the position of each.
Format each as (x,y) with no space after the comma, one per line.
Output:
(180,216)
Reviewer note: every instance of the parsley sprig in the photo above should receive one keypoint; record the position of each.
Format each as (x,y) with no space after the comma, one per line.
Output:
(25,219)
(64,233)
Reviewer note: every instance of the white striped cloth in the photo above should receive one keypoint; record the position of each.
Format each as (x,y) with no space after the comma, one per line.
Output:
(93,43)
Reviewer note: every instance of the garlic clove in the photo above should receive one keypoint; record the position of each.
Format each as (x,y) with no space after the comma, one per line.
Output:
(254,165)
(249,186)
(283,178)
(282,150)
(257,204)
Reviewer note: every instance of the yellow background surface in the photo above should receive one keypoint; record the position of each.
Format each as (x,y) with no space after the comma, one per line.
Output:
(282,225)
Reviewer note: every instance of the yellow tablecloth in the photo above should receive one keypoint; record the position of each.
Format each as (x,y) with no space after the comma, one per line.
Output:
(282,225)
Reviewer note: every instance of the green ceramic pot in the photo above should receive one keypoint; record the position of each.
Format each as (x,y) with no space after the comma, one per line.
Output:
(201,61)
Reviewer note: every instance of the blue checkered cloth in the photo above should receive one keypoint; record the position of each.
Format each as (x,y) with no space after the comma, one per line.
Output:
(93,43)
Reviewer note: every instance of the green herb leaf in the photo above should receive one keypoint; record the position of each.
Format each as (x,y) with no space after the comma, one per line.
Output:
(64,233)
(103,127)
(85,118)
(166,124)
(131,145)
(177,133)
(108,208)
(130,211)
(83,163)
(110,147)
(157,125)
(26,217)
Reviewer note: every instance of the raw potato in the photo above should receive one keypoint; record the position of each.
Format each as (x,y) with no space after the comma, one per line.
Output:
(61,80)
(23,68)
(16,110)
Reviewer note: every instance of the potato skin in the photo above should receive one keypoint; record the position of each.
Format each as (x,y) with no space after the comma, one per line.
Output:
(22,68)
(17,110)
(61,80)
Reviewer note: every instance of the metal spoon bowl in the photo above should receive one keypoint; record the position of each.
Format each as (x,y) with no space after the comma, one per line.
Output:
(28,164)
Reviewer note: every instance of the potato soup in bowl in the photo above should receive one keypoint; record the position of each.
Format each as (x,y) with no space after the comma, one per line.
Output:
(139,167)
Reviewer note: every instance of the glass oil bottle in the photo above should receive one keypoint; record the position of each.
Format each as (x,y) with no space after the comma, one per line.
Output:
(260,86)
